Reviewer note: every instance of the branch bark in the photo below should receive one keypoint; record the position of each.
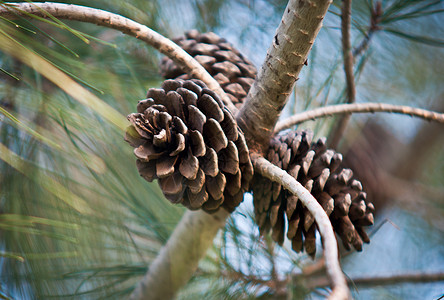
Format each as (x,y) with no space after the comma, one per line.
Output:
(285,58)
(358,108)
(122,24)
(334,272)
(340,126)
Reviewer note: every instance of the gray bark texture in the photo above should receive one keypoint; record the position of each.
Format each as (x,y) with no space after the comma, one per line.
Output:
(288,53)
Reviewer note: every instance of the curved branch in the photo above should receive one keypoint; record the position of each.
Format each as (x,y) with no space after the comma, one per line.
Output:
(286,56)
(358,108)
(274,173)
(120,23)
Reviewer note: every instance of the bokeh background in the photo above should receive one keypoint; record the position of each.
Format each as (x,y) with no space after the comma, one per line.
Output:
(76,219)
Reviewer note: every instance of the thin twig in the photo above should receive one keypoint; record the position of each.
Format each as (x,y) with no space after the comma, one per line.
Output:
(126,26)
(346,50)
(379,280)
(375,18)
(359,108)
(341,125)
(313,280)
(322,281)
(274,173)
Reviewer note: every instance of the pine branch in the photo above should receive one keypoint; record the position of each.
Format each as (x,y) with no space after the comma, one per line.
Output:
(127,26)
(359,108)
(338,130)
(274,173)
(294,38)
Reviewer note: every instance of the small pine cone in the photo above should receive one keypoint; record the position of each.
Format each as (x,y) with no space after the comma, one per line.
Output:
(227,65)
(318,170)
(184,137)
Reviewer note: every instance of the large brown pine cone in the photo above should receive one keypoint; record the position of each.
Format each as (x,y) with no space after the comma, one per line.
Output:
(184,137)
(318,170)
(227,65)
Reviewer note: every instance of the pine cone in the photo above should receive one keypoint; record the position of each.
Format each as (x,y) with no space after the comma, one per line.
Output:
(227,65)
(184,137)
(318,170)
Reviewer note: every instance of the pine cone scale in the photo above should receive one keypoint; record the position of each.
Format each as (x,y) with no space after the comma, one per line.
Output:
(165,167)
(209,162)
(216,185)
(197,143)
(189,167)
(214,135)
